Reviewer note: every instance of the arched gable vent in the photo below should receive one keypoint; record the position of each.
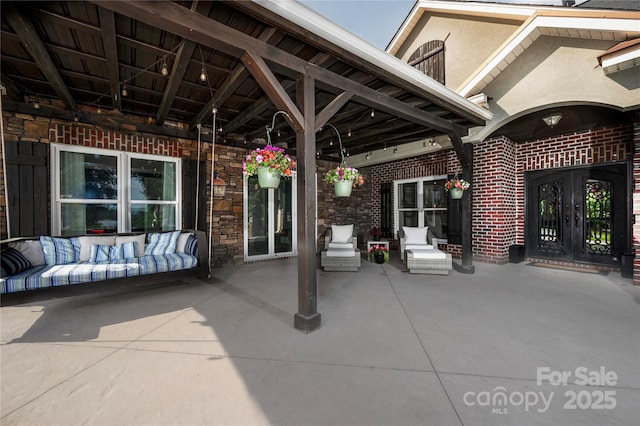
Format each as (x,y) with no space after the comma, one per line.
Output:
(429,58)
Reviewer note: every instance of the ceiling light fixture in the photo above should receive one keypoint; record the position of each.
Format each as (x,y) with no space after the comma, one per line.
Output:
(373,113)
(125,92)
(164,70)
(203,75)
(385,146)
(349,133)
(552,119)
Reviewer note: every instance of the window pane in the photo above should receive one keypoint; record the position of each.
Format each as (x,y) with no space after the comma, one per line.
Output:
(153,217)
(408,195)
(88,176)
(89,218)
(408,218)
(436,220)
(153,180)
(434,195)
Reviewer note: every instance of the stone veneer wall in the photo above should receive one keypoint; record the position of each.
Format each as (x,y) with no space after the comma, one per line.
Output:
(334,210)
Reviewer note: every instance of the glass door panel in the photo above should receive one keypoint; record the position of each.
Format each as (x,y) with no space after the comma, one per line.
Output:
(257,218)
(283,217)
(270,219)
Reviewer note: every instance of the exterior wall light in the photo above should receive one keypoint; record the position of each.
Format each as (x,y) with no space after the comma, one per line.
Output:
(552,120)
(219,187)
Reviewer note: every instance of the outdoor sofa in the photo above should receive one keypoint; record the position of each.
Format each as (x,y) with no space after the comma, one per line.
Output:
(36,263)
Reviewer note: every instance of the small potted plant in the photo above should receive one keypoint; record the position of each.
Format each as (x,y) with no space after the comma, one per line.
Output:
(456,187)
(376,233)
(379,253)
(344,179)
(269,163)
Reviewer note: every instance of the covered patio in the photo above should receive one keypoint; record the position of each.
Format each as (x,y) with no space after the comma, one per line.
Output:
(394,349)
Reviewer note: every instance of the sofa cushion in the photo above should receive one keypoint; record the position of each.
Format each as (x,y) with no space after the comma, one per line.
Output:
(105,253)
(60,251)
(32,250)
(138,239)
(125,250)
(341,233)
(100,253)
(13,262)
(182,241)
(86,243)
(162,243)
(415,235)
(191,246)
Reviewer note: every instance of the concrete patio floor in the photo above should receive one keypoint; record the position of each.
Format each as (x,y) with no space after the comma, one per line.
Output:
(393,349)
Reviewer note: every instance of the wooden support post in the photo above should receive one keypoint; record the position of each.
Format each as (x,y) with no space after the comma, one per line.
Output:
(307,319)
(467,224)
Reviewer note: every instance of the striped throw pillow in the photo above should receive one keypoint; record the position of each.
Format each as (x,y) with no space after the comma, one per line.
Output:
(100,253)
(191,246)
(60,251)
(125,251)
(13,262)
(162,243)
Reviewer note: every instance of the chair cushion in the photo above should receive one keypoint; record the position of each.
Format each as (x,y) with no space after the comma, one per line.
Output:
(341,252)
(415,235)
(418,247)
(341,233)
(428,254)
(341,245)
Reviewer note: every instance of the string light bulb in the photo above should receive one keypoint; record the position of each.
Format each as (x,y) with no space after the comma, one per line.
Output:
(164,70)
(373,113)
(125,92)
(203,75)
(36,105)
(349,133)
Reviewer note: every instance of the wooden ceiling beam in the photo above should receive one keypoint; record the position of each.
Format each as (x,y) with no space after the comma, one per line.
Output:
(272,87)
(108,26)
(235,79)
(185,51)
(201,29)
(331,109)
(28,35)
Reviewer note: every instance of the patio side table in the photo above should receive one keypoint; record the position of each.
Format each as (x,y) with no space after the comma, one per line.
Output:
(372,243)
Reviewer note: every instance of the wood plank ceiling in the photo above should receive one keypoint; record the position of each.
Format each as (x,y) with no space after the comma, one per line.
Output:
(76,58)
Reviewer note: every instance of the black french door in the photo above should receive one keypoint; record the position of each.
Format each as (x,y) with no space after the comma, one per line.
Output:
(577,214)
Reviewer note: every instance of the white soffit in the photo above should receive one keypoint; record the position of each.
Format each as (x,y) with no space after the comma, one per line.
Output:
(615,29)
(338,36)
(620,57)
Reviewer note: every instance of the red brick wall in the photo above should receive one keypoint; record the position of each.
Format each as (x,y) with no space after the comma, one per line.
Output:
(494,200)
(105,139)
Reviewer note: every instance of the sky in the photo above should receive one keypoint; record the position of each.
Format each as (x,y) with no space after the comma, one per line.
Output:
(375,21)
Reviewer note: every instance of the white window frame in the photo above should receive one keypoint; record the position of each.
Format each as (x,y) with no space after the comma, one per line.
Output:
(123,200)
(420,208)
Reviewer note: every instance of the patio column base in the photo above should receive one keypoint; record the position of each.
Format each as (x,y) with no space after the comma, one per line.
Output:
(306,324)
(471,269)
